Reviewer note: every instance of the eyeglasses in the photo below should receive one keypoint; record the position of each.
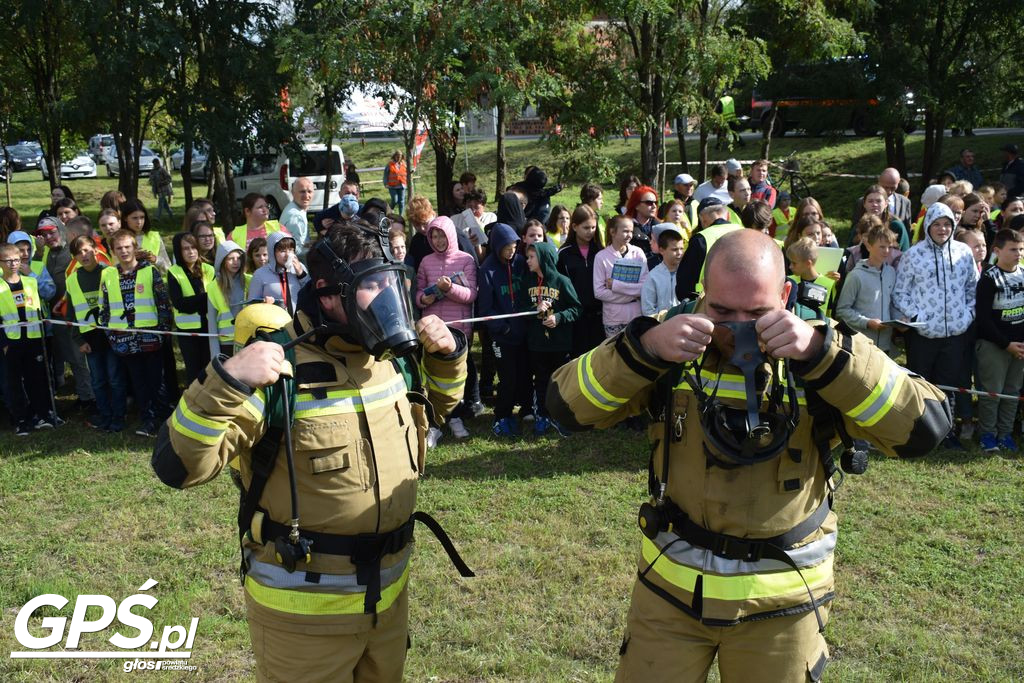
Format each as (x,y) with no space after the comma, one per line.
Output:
(205,237)
(11,261)
(648,202)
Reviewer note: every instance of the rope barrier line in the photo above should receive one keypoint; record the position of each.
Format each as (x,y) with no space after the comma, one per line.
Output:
(180,333)
(988,394)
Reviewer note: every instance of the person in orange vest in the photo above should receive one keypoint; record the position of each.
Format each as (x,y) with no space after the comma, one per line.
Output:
(396,177)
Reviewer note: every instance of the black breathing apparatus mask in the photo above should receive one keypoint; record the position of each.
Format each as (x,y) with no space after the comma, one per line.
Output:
(745,436)
(375,298)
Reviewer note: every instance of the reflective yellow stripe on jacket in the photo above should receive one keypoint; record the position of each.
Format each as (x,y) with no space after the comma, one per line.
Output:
(340,401)
(81,302)
(308,602)
(592,389)
(881,400)
(202,429)
(732,386)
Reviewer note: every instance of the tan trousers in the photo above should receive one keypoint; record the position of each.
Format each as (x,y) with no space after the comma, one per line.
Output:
(664,644)
(376,655)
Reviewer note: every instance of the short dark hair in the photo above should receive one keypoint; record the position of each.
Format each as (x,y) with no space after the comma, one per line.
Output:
(717,170)
(590,192)
(477,195)
(1006,235)
(467,177)
(757,215)
(352,240)
(667,237)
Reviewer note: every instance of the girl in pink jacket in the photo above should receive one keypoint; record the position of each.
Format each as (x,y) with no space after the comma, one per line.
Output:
(446,280)
(619,289)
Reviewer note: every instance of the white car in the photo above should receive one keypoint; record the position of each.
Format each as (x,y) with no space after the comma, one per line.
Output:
(271,174)
(178,158)
(80,166)
(114,166)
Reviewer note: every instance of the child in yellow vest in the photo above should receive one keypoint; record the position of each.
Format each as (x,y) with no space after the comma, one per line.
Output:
(20,315)
(803,256)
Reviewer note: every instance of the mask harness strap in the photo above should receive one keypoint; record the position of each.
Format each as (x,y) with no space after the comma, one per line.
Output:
(665,515)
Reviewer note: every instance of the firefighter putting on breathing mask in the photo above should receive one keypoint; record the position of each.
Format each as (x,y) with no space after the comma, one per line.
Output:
(327,418)
(747,402)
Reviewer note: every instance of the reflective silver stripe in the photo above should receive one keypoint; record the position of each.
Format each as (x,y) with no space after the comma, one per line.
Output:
(701,559)
(276,576)
(194,426)
(145,317)
(871,413)
(444,386)
(186,318)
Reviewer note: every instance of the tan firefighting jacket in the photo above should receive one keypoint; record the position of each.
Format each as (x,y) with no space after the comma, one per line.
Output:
(359,447)
(900,413)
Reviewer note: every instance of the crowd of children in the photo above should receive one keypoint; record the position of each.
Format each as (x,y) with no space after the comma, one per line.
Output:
(950,286)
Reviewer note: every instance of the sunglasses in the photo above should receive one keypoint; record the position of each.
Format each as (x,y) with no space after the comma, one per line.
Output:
(648,202)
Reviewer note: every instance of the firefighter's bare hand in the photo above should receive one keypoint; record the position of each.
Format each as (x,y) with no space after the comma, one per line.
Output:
(784,335)
(257,365)
(680,338)
(435,335)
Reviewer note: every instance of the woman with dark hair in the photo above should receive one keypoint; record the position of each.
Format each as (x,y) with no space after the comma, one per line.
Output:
(186,286)
(58,193)
(876,203)
(112,199)
(10,221)
(257,213)
(976,217)
(351,176)
(576,261)
(206,237)
(626,187)
(66,209)
(134,217)
(256,255)
(1008,210)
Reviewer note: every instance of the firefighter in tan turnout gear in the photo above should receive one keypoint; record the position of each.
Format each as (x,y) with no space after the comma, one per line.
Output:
(738,538)
(326,552)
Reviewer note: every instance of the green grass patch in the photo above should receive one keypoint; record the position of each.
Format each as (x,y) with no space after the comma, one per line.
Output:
(929,567)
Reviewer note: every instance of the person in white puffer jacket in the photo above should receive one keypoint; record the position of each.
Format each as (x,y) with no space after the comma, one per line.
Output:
(936,284)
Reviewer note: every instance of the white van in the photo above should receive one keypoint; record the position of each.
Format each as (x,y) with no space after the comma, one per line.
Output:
(271,174)
(98,146)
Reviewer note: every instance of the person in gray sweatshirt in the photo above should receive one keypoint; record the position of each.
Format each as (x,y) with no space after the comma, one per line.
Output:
(282,276)
(659,291)
(865,302)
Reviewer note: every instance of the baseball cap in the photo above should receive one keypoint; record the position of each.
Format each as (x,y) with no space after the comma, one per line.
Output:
(664,227)
(784,195)
(732,166)
(47,224)
(1011,148)
(708,202)
(684,179)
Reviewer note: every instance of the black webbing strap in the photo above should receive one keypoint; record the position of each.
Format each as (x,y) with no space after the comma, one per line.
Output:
(823,429)
(366,550)
(264,455)
(754,549)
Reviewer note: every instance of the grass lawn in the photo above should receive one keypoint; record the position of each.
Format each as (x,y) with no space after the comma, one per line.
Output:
(929,567)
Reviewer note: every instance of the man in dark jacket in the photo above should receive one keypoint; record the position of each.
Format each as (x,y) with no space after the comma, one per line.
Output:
(498,282)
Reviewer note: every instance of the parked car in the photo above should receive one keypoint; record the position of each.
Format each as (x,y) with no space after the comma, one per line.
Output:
(24,157)
(146,157)
(99,144)
(271,174)
(178,158)
(80,165)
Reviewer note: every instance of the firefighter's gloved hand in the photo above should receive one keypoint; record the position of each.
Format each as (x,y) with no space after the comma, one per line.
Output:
(679,339)
(785,335)
(435,335)
(257,365)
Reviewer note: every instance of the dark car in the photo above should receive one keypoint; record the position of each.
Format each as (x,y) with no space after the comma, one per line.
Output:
(24,157)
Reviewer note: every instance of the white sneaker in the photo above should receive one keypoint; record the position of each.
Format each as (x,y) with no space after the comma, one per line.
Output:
(433,436)
(459,430)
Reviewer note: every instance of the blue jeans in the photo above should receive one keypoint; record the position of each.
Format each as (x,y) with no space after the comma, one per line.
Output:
(109,387)
(164,204)
(397,199)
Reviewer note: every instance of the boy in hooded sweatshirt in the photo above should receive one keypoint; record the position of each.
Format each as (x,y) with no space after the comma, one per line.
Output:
(549,335)
(866,298)
(446,287)
(500,278)
(936,285)
(282,276)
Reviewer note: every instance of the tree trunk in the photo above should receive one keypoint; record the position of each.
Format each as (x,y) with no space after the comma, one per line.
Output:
(186,164)
(766,139)
(681,141)
(702,171)
(502,169)
(890,148)
(650,153)
(329,110)
(53,155)
(223,192)
(901,152)
(445,155)
(934,126)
